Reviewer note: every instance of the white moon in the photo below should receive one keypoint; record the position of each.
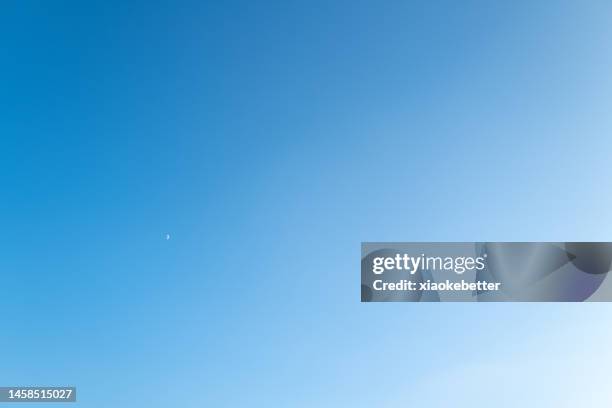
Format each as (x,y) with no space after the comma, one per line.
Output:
(167,237)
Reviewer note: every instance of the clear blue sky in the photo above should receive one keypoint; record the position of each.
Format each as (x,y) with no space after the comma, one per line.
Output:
(269,139)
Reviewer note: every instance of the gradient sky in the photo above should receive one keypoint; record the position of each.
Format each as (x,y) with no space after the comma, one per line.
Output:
(269,139)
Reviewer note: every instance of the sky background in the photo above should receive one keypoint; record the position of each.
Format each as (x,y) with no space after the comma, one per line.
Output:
(270,139)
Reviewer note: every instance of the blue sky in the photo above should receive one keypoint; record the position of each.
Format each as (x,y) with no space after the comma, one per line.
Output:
(269,139)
